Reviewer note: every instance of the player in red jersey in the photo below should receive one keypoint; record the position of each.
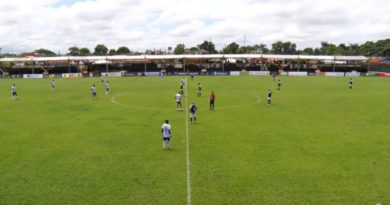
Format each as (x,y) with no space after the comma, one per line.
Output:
(212,99)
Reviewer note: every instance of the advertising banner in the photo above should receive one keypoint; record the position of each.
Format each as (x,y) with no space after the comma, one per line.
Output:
(152,73)
(220,73)
(32,75)
(352,74)
(71,75)
(385,75)
(334,74)
(259,73)
(297,74)
(131,74)
(112,74)
(193,73)
(235,73)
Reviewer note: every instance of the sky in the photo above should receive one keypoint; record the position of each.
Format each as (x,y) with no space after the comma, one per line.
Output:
(26,25)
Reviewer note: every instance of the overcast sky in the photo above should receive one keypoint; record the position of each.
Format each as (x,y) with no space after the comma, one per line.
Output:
(26,25)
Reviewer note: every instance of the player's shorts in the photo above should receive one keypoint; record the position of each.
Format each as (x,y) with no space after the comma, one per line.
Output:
(199,91)
(178,102)
(14,94)
(107,89)
(93,94)
(269,98)
(212,102)
(192,114)
(52,86)
(166,138)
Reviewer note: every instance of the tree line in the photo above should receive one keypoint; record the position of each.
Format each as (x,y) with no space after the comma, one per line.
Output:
(369,48)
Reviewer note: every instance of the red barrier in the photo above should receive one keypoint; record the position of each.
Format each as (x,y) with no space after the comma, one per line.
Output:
(385,75)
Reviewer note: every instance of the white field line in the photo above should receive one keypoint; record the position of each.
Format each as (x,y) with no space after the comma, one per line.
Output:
(188,151)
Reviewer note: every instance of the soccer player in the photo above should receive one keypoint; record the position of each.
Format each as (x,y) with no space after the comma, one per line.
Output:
(274,76)
(279,85)
(199,90)
(178,101)
(269,96)
(193,109)
(14,94)
(52,85)
(161,75)
(192,76)
(93,89)
(166,133)
(183,82)
(182,89)
(107,87)
(212,99)
(102,78)
(350,83)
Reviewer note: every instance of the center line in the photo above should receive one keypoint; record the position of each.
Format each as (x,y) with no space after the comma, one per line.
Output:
(188,151)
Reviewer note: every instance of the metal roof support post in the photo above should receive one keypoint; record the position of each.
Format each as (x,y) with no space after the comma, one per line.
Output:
(106,64)
(334,64)
(184,64)
(68,64)
(223,65)
(144,65)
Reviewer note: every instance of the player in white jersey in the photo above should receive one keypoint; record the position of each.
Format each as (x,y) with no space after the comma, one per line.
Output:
(107,87)
(52,85)
(178,102)
(14,94)
(93,89)
(279,85)
(102,78)
(199,90)
(183,82)
(193,109)
(166,133)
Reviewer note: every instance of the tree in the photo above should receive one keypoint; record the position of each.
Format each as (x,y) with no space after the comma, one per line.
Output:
(45,52)
(232,48)
(193,50)
(112,52)
(74,51)
(261,48)
(277,47)
(100,50)
(329,49)
(208,46)
(85,52)
(180,48)
(7,64)
(308,51)
(123,50)
(280,47)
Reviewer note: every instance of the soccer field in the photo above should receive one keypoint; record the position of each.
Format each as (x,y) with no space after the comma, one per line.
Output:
(318,143)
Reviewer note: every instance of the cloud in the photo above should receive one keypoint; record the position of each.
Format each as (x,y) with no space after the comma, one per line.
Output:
(153,24)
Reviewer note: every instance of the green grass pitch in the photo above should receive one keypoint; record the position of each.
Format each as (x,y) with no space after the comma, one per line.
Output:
(318,143)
